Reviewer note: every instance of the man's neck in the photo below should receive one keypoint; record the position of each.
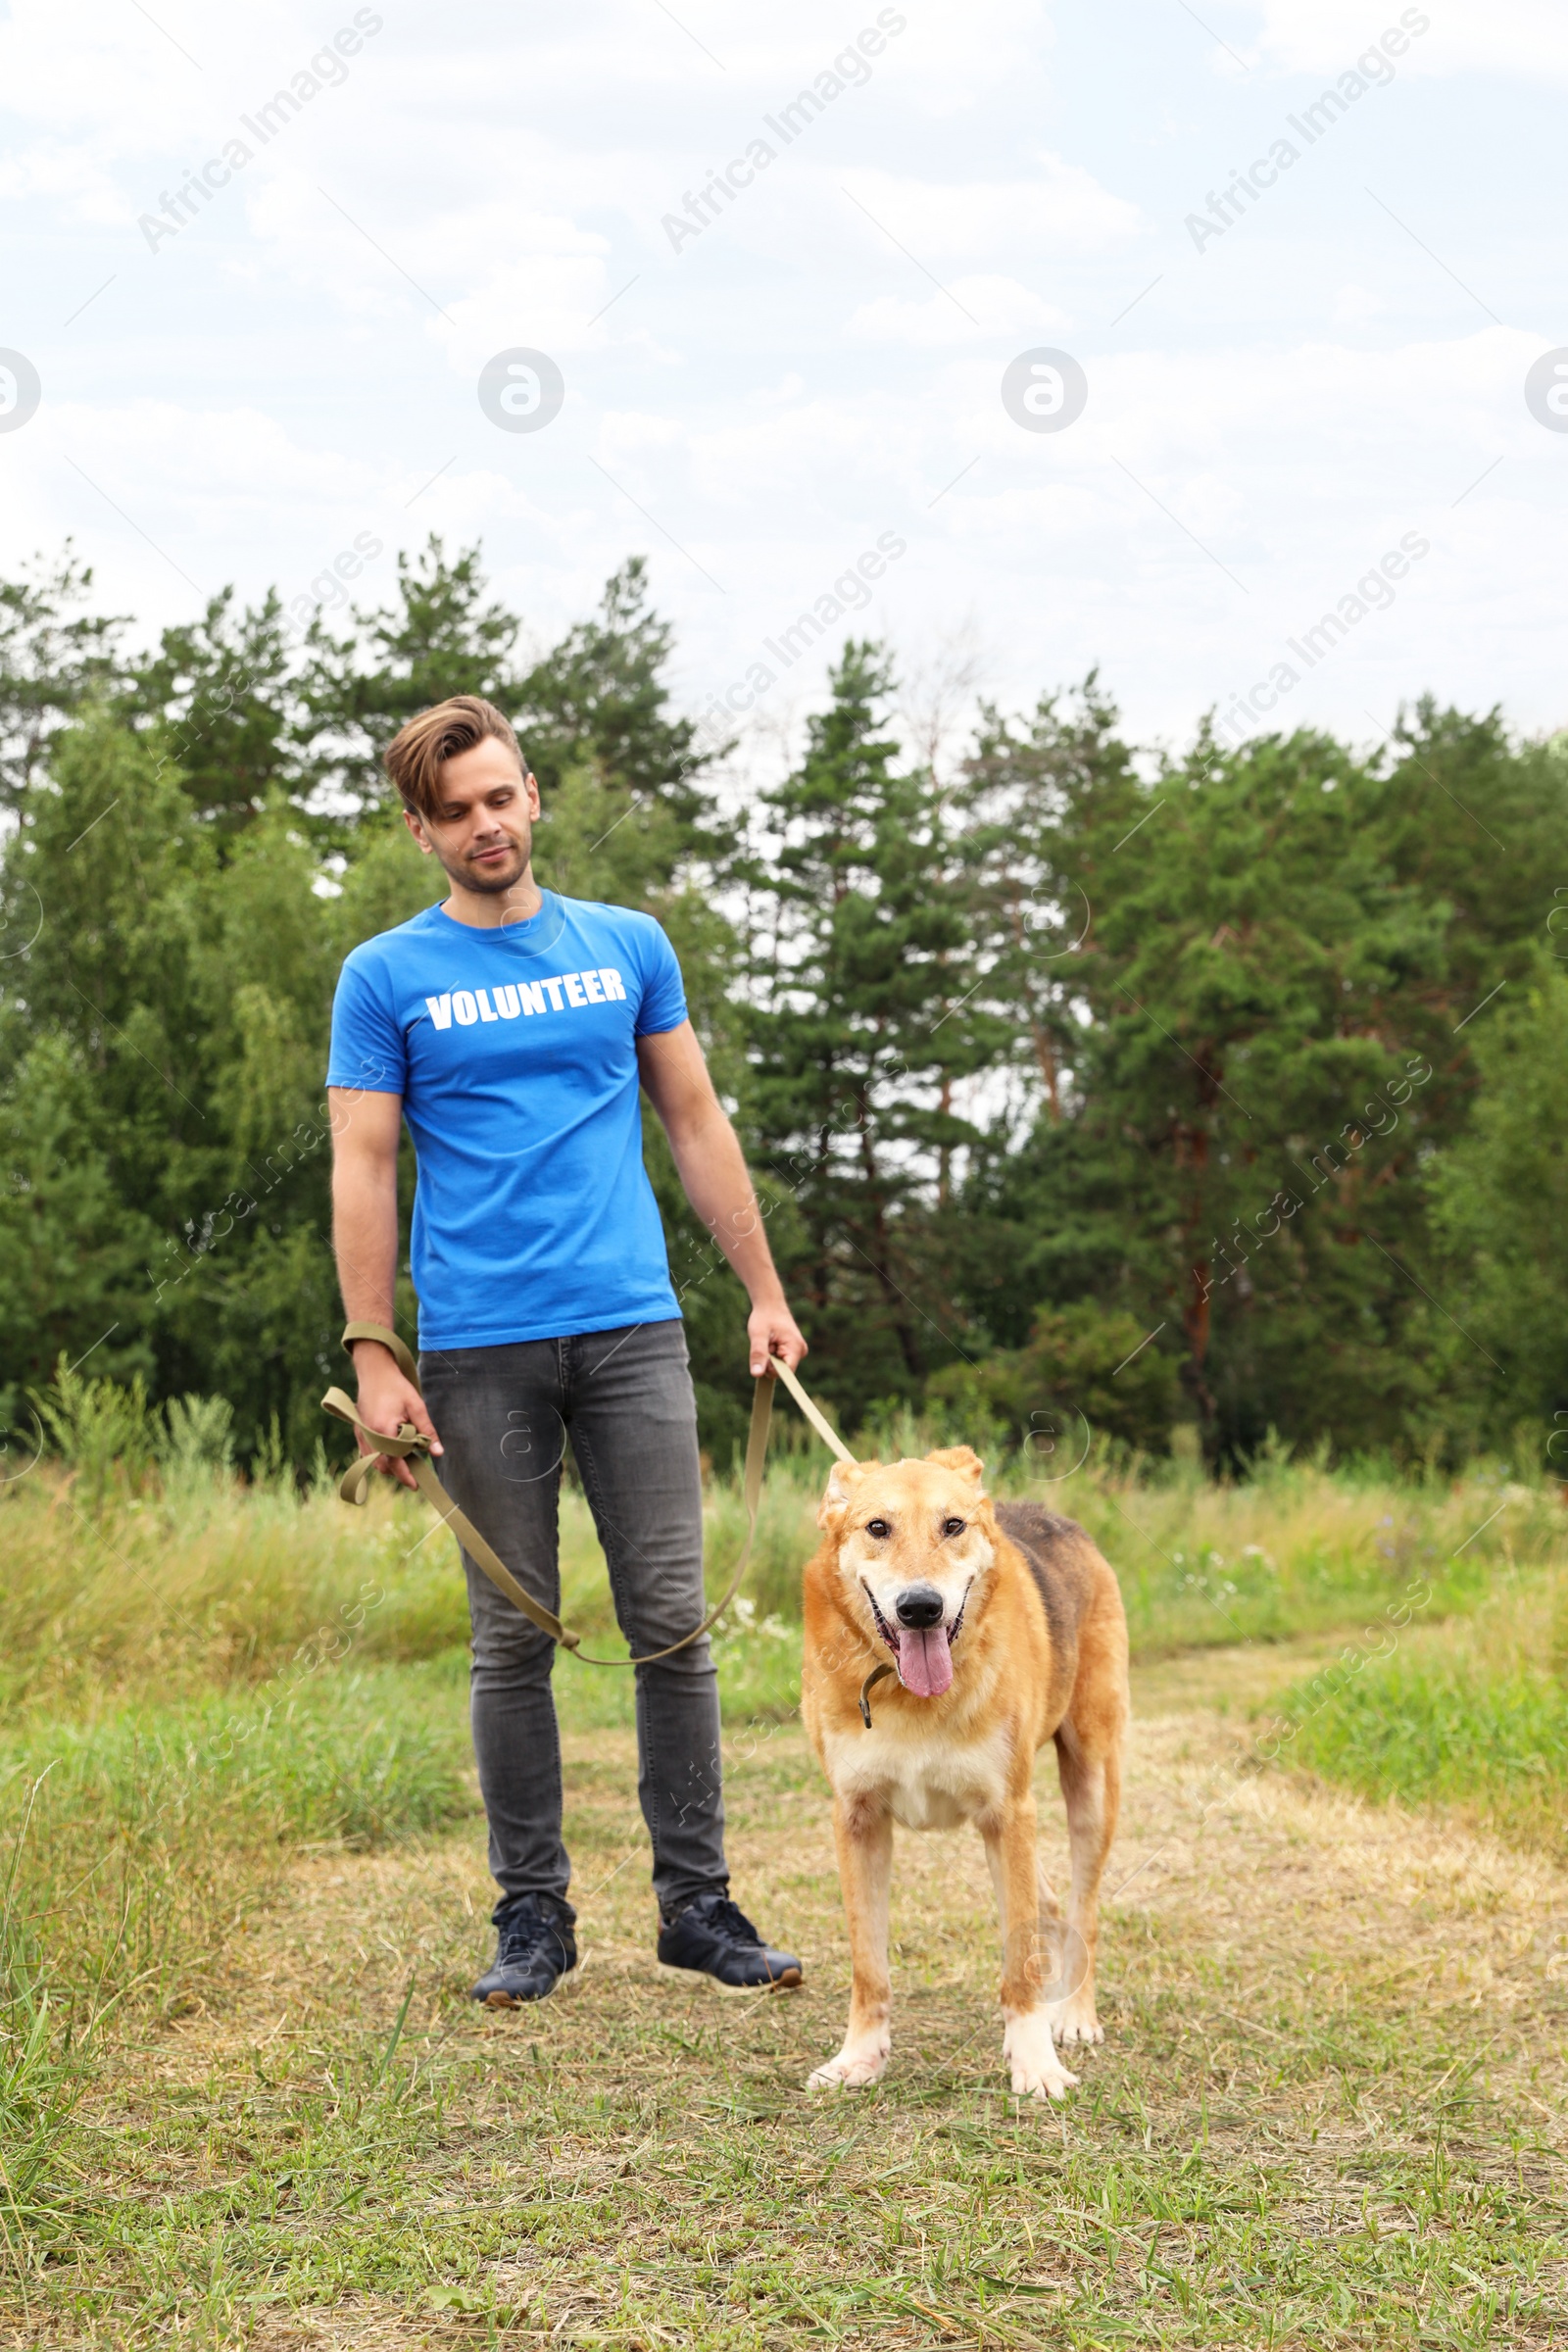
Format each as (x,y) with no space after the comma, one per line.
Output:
(492,910)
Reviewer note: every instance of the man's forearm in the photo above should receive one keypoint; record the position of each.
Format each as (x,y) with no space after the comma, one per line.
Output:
(719,1186)
(713,1173)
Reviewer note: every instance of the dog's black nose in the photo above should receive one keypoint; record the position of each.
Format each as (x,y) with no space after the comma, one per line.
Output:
(919,1604)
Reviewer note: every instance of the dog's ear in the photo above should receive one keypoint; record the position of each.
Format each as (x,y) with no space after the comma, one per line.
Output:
(961,1459)
(843,1479)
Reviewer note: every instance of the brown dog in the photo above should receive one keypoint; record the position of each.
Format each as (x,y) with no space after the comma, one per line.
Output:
(1005,1629)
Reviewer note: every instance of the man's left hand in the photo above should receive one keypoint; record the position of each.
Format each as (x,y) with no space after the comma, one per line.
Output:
(771,1330)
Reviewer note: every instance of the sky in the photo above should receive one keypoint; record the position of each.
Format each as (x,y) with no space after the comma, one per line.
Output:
(986,329)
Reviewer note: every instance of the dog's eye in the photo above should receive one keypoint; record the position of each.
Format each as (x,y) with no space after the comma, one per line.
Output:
(952,1527)
(877,1527)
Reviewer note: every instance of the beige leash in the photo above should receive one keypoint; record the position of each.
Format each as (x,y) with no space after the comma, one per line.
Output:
(830,1437)
(410,1446)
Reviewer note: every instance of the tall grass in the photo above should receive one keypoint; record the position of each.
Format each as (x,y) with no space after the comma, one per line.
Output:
(1296,1548)
(42,2056)
(189,1581)
(153,1830)
(140,1843)
(198,1675)
(1470,1715)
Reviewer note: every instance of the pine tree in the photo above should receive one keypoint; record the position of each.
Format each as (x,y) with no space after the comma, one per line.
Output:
(858,1031)
(1499,1196)
(1270,999)
(221,688)
(52,662)
(444,636)
(1016,795)
(600,698)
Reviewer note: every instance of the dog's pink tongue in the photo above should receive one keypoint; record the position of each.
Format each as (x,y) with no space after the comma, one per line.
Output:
(925,1661)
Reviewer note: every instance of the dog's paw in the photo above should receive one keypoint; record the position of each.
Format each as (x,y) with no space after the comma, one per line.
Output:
(857,2065)
(1037,2072)
(1074,2019)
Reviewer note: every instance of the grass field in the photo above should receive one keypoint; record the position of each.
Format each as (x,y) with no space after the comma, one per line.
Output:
(1471,1714)
(244,2098)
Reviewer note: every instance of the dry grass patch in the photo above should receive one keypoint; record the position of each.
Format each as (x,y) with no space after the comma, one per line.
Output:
(1330,2109)
(1330,2112)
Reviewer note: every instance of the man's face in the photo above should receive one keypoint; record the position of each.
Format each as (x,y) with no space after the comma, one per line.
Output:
(482,831)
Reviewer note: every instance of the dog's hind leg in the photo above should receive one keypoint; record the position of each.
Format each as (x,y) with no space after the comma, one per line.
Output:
(1026,2042)
(1092,1789)
(863,1836)
(1090,1739)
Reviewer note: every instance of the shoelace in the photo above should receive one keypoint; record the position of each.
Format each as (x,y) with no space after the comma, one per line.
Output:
(522,1936)
(729,1919)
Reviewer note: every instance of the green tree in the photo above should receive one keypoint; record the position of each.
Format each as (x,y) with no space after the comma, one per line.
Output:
(1499,1196)
(600,700)
(162,1045)
(101,1005)
(1029,918)
(858,1031)
(74,1253)
(1082,1374)
(1069,1076)
(597,706)
(220,689)
(52,662)
(445,635)
(1272,990)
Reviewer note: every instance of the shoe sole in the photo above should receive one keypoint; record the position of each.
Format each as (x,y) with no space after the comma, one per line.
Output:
(510,2000)
(790,1981)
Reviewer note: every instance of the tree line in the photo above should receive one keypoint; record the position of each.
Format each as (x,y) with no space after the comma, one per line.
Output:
(1088,1086)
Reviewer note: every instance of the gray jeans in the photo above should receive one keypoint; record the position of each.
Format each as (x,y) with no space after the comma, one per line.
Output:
(504,1416)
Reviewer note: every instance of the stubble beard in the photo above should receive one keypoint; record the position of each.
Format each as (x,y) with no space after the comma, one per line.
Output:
(493,885)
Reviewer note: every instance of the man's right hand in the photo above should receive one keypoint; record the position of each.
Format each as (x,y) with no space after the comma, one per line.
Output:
(386,1399)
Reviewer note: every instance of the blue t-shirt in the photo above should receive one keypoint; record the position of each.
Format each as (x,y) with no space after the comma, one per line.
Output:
(515,1052)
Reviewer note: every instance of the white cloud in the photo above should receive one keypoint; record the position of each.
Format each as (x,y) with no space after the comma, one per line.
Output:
(971,307)
(1464,36)
(1354,304)
(792,382)
(72,177)
(1060,208)
(97,69)
(526,275)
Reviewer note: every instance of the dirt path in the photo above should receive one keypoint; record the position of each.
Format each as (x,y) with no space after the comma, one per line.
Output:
(1257,1872)
(1351,2018)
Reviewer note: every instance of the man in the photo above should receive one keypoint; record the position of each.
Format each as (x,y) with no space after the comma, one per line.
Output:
(510,1028)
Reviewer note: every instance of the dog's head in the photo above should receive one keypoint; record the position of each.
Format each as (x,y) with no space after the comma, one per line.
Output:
(915,1542)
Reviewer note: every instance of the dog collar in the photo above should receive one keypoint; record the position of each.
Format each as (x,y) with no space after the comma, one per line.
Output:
(867,1687)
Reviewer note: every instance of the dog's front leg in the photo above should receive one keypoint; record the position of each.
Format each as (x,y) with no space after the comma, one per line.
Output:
(1026,2042)
(862,1832)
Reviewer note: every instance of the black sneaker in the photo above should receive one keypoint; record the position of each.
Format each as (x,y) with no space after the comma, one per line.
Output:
(713,1936)
(535,1948)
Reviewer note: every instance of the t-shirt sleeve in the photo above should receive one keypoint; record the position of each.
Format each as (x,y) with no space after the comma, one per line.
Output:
(367,1051)
(663,999)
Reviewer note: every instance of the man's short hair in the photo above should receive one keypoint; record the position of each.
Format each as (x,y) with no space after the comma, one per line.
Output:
(416,755)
